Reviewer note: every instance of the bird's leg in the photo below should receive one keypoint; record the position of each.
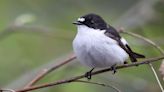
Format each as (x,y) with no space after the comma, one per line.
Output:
(113,68)
(88,74)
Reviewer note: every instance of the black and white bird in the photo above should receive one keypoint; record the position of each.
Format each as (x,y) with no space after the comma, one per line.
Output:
(99,45)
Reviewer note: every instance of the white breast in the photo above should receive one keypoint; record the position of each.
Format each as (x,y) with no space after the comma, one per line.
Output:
(94,49)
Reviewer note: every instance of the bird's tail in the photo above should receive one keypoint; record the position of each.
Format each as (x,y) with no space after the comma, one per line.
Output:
(136,55)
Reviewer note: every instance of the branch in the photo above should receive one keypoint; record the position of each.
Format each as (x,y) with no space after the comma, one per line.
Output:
(146,61)
(44,72)
(8,90)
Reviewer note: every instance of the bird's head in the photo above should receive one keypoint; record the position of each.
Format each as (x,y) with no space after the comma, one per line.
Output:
(92,21)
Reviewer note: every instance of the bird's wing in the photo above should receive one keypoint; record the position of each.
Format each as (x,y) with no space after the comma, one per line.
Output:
(112,33)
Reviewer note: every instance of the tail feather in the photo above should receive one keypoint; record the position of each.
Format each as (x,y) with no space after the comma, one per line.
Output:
(136,55)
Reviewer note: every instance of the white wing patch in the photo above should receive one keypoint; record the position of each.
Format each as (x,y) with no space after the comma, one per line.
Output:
(81,19)
(124,41)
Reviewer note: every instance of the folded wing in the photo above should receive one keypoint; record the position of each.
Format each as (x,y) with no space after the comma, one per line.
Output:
(112,33)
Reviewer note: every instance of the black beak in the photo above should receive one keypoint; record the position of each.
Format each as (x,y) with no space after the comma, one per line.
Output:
(77,23)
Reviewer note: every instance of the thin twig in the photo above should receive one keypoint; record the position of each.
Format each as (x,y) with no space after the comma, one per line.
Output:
(146,61)
(101,84)
(154,45)
(7,90)
(145,39)
(44,72)
(156,77)
(155,74)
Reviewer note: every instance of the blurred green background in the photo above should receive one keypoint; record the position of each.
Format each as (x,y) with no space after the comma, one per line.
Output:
(36,34)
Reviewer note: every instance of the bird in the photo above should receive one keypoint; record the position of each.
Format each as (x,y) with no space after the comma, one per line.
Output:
(99,45)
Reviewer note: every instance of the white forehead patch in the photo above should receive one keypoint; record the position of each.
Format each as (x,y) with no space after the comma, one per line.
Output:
(81,19)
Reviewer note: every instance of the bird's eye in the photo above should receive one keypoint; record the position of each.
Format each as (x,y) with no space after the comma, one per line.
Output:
(92,21)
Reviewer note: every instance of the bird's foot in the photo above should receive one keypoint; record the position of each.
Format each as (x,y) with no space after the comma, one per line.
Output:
(113,68)
(88,74)
(125,62)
